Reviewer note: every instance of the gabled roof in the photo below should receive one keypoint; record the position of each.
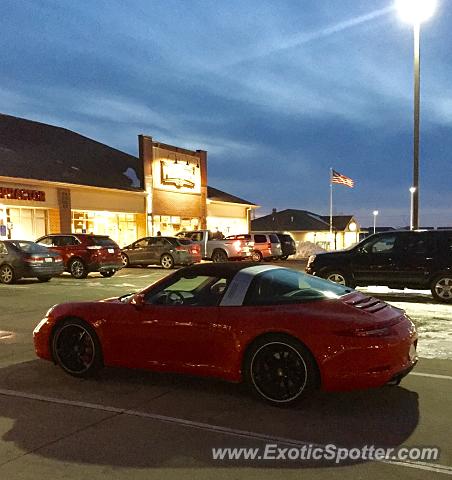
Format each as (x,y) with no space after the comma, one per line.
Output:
(298,221)
(340,222)
(220,196)
(39,151)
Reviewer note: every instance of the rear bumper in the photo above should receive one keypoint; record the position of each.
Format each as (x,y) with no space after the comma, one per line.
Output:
(105,266)
(371,363)
(42,270)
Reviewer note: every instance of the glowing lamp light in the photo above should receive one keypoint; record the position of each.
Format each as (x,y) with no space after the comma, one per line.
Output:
(352,227)
(416,11)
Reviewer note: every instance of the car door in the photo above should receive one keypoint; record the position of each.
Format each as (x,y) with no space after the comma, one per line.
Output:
(373,261)
(180,337)
(415,258)
(138,251)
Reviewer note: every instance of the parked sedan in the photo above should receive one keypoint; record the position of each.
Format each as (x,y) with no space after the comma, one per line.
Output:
(165,251)
(279,330)
(24,259)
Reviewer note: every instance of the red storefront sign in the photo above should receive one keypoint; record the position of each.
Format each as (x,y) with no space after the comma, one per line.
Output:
(22,194)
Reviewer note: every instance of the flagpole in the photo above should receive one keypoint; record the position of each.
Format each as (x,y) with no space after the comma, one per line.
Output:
(331,205)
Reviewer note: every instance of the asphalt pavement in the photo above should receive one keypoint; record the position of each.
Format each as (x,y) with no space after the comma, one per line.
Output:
(136,424)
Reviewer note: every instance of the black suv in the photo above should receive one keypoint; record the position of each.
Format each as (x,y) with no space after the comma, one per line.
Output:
(397,259)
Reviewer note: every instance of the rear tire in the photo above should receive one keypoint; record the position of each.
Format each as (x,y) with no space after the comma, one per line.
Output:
(337,276)
(7,274)
(256,256)
(441,288)
(167,261)
(219,256)
(76,348)
(78,269)
(280,370)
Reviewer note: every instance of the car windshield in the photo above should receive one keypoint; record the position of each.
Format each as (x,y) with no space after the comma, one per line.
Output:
(281,286)
(29,247)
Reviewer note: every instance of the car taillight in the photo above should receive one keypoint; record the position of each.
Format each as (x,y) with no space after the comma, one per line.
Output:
(32,259)
(93,247)
(269,245)
(237,245)
(58,259)
(372,331)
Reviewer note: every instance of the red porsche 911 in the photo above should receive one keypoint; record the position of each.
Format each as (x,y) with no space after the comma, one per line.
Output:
(282,331)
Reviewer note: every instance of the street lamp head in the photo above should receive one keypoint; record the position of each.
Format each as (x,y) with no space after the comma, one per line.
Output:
(375,212)
(412,189)
(416,11)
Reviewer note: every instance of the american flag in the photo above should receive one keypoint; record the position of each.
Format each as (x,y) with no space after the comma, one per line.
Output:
(337,177)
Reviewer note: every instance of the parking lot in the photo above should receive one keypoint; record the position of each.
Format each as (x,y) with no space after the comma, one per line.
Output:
(144,425)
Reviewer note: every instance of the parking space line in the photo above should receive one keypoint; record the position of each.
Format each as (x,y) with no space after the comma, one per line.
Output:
(431,375)
(437,468)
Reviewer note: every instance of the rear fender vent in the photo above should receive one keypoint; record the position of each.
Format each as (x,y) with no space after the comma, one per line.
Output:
(368,304)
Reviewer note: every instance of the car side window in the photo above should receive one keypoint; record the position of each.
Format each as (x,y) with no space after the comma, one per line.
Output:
(67,240)
(260,239)
(200,291)
(46,241)
(3,249)
(413,244)
(141,243)
(384,244)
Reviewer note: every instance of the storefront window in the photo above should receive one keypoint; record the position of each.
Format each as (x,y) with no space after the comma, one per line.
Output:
(121,227)
(23,223)
(170,225)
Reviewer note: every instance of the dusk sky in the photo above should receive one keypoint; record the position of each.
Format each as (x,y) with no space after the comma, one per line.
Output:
(276,92)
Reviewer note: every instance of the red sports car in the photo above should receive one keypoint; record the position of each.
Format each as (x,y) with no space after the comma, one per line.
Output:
(282,331)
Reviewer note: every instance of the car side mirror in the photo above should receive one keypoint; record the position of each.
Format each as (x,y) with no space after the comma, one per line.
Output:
(138,301)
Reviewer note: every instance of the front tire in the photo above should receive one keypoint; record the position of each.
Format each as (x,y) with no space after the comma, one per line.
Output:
(125,260)
(76,348)
(441,288)
(280,370)
(167,261)
(7,274)
(78,269)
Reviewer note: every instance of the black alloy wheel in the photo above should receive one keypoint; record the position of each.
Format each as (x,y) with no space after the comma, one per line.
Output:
(78,268)
(76,348)
(280,370)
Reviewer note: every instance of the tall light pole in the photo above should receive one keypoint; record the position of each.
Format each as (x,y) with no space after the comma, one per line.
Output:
(416,12)
(412,192)
(375,213)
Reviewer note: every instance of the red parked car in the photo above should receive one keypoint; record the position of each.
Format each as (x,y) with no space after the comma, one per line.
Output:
(280,330)
(85,253)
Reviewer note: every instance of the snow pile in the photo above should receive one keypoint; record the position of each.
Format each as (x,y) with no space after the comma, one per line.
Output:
(306,249)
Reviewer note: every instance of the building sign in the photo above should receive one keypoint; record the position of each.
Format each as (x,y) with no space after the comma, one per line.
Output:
(22,194)
(180,174)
